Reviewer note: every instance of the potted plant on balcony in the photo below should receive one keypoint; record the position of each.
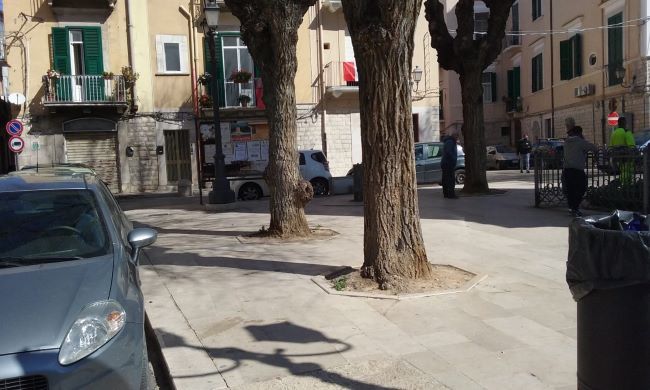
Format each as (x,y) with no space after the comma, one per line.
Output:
(240,76)
(205,101)
(108,75)
(244,100)
(53,74)
(204,79)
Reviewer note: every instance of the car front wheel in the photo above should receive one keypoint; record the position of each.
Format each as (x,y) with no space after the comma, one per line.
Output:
(460,176)
(250,191)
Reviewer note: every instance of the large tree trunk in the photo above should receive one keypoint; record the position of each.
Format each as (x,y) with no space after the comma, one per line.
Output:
(473,130)
(382,35)
(468,55)
(270,30)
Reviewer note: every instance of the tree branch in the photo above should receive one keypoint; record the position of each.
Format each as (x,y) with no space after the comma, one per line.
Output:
(492,44)
(441,40)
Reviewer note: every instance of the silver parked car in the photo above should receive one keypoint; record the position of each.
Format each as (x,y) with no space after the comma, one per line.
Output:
(501,157)
(72,309)
(428,156)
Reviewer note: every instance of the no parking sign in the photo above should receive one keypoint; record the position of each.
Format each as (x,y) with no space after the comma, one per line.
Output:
(14,127)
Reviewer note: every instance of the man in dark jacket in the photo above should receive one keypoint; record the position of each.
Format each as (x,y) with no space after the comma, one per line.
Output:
(523,150)
(448,165)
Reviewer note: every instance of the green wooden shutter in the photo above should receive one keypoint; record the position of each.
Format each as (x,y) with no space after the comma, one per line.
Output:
(217,81)
(577,55)
(493,85)
(61,50)
(511,83)
(61,59)
(566,71)
(517,81)
(93,63)
(614,47)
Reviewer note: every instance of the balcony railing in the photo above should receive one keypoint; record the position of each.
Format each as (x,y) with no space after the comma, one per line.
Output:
(231,94)
(511,40)
(84,90)
(341,76)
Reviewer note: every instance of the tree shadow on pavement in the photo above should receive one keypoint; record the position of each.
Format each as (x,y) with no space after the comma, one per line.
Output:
(285,332)
(162,256)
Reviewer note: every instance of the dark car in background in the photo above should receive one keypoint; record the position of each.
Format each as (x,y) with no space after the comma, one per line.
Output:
(428,156)
(72,308)
(552,150)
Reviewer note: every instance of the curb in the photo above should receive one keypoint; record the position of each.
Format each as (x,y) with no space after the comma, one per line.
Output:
(325,284)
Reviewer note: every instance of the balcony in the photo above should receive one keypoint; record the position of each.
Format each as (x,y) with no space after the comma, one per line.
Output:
(88,4)
(512,42)
(84,90)
(341,78)
(235,99)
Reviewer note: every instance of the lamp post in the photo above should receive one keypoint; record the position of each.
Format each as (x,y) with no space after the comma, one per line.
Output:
(221,192)
(416,76)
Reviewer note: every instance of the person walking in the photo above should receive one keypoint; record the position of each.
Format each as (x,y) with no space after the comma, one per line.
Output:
(523,150)
(574,179)
(448,165)
(622,144)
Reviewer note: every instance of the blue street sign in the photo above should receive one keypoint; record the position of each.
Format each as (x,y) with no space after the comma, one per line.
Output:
(14,127)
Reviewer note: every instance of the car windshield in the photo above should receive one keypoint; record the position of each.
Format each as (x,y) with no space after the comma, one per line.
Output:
(504,149)
(53,225)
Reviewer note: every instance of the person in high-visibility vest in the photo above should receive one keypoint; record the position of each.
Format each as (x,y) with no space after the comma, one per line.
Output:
(622,144)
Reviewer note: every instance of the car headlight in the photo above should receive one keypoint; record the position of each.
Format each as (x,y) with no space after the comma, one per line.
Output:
(96,325)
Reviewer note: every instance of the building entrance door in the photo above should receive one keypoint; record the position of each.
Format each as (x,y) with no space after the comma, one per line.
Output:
(177,155)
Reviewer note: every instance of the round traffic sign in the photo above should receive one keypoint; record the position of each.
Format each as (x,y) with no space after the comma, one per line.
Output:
(14,127)
(16,144)
(612,118)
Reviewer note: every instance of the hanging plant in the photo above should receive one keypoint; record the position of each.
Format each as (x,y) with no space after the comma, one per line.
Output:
(130,77)
(240,76)
(204,79)
(205,101)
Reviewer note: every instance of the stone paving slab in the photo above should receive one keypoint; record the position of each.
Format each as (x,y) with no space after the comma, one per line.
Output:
(249,317)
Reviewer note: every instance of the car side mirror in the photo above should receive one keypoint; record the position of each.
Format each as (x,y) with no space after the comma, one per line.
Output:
(140,238)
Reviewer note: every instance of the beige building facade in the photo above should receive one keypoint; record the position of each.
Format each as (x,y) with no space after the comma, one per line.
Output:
(117,85)
(582,59)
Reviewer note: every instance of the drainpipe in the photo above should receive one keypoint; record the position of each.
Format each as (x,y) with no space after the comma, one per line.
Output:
(129,35)
(552,74)
(195,99)
(321,74)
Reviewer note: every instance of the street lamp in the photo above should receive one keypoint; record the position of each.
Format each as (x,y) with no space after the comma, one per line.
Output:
(620,75)
(221,192)
(416,76)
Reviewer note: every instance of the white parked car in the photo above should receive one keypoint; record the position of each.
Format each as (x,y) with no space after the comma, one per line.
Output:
(313,167)
(501,157)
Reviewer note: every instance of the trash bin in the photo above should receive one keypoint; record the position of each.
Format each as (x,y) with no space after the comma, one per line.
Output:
(357,183)
(608,272)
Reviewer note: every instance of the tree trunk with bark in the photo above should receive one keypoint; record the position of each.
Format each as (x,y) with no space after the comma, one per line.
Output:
(270,30)
(468,54)
(382,35)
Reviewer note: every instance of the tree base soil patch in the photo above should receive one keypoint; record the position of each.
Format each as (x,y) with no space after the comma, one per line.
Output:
(446,279)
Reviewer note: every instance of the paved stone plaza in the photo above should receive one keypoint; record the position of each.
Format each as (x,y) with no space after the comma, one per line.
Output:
(248,316)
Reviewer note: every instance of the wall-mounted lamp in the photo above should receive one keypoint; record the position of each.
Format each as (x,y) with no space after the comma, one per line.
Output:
(416,77)
(620,75)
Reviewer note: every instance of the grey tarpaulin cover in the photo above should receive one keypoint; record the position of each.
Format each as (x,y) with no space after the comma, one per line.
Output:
(603,255)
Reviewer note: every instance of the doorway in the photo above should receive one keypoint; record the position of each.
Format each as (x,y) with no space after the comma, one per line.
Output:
(177,155)
(416,127)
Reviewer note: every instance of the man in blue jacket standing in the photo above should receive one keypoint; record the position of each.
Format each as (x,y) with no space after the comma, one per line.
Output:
(448,165)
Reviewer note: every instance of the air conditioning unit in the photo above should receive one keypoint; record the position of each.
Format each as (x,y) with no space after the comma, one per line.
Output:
(584,90)
(332,5)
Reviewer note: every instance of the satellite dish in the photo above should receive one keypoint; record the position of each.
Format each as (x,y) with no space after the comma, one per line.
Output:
(17,98)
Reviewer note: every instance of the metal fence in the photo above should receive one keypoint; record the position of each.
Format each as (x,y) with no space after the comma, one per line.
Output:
(615,179)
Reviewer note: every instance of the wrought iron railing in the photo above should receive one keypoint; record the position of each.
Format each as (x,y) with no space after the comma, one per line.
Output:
(84,89)
(341,74)
(615,179)
(233,94)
